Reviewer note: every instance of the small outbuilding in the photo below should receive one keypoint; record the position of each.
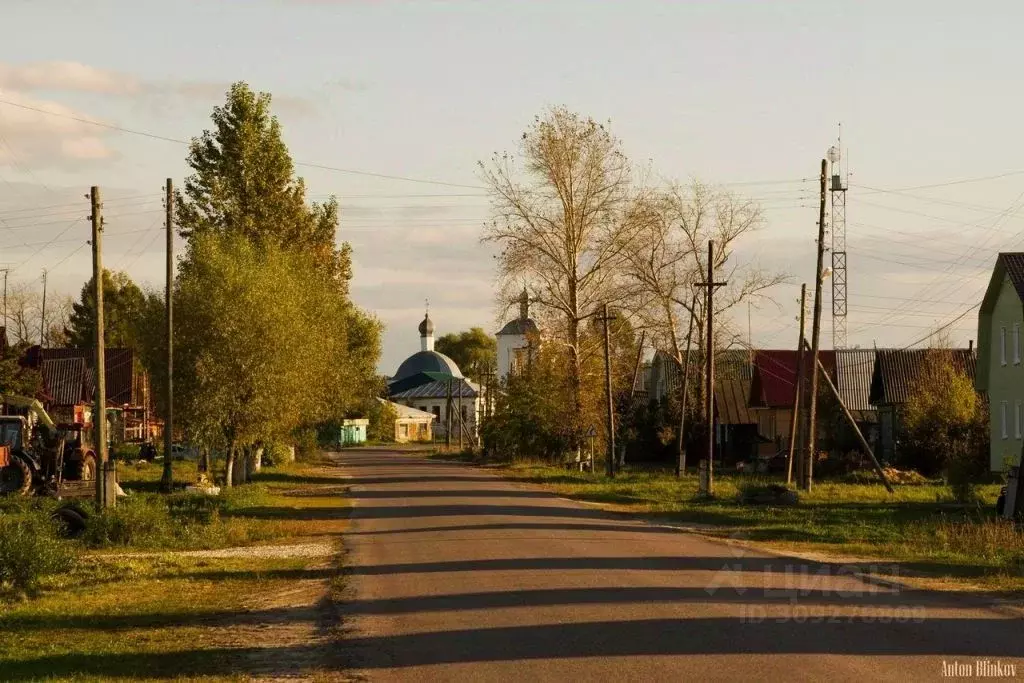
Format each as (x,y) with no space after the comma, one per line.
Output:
(353,431)
(411,424)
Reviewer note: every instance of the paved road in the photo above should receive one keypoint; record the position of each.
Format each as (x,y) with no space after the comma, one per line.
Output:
(459,575)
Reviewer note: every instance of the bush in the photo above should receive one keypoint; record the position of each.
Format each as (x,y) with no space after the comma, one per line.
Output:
(125,451)
(137,521)
(30,549)
(307,446)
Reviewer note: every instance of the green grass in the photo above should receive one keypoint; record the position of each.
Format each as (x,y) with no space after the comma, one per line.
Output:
(919,526)
(116,616)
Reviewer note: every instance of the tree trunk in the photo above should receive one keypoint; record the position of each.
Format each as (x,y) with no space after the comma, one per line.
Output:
(257,459)
(204,460)
(229,467)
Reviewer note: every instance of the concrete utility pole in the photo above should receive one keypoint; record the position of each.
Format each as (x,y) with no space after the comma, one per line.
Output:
(816,334)
(610,465)
(681,453)
(709,374)
(99,418)
(448,419)
(167,481)
(42,316)
(794,420)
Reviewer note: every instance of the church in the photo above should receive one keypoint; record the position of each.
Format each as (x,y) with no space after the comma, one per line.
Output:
(432,382)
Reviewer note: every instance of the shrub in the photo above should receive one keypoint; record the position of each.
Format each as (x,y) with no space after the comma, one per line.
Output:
(136,521)
(30,549)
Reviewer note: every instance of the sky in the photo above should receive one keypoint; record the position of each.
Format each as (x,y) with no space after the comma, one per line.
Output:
(748,95)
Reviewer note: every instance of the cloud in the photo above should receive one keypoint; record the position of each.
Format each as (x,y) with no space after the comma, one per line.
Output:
(34,139)
(66,76)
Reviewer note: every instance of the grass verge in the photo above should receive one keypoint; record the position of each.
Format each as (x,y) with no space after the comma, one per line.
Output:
(115,615)
(919,527)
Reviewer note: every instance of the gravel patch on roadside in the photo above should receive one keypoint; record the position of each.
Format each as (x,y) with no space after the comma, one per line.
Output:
(261,551)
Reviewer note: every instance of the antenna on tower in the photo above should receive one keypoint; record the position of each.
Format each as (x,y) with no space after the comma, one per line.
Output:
(838,188)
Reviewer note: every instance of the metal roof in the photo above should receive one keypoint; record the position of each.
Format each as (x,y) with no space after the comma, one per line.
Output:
(732,401)
(1014,264)
(64,379)
(520,326)
(896,371)
(854,369)
(120,370)
(439,389)
(775,376)
(405,412)
(426,361)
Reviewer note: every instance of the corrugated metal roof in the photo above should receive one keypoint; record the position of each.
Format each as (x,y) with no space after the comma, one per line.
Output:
(120,370)
(64,380)
(854,369)
(897,371)
(1014,264)
(775,375)
(732,401)
(439,389)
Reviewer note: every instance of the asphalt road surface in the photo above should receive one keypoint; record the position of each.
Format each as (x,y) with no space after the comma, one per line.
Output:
(460,575)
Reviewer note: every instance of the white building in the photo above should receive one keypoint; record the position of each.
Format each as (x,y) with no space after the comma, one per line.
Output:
(515,339)
(431,382)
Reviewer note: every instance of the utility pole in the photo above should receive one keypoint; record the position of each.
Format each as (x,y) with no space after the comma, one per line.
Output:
(816,334)
(610,465)
(42,316)
(681,453)
(797,397)
(448,419)
(99,418)
(167,481)
(709,374)
(462,423)
(6,270)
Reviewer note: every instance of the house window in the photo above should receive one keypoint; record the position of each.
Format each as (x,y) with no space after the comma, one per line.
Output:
(1003,421)
(1016,420)
(403,431)
(436,410)
(1016,343)
(1002,347)
(464,418)
(423,408)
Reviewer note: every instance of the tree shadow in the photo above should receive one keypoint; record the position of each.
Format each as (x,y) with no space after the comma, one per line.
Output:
(451,493)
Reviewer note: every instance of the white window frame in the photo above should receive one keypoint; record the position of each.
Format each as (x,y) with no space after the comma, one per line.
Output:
(1003,420)
(1016,420)
(1016,343)
(1002,345)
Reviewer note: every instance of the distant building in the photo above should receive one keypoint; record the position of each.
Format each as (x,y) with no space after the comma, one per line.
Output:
(411,424)
(515,340)
(896,373)
(431,382)
(1000,370)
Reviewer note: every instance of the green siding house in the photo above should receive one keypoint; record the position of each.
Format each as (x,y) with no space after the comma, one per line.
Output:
(1001,359)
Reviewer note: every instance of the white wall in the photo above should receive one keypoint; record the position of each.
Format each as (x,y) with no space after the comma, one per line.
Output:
(507,344)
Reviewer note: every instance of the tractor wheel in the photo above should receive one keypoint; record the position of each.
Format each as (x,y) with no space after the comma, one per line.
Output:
(85,469)
(16,478)
(71,521)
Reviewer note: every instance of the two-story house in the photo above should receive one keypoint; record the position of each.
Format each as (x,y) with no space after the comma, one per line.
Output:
(1001,359)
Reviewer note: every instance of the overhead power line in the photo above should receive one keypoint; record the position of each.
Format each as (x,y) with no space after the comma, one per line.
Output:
(179,141)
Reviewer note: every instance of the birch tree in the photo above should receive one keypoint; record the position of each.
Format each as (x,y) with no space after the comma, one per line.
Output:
(559,207)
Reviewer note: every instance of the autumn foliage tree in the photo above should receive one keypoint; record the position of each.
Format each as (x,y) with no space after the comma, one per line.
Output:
(559,209)
(944,423)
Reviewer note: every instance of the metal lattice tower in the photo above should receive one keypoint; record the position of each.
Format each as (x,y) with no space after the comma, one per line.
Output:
(838,192)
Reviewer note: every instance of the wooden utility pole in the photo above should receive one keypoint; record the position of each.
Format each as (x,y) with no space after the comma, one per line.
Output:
(462,424)
(99,417)
(42,316)
(167,481)
(610,465)
(816,334)
(709,373)
(794,420)
(681,445)
(448,419)
(6,270)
